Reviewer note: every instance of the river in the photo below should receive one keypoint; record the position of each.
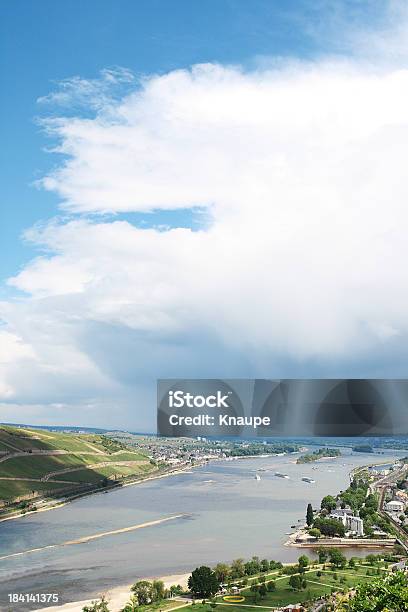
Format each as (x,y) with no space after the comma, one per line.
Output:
(230,514)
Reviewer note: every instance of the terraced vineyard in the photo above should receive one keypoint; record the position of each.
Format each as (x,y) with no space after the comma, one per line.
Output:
(35,464)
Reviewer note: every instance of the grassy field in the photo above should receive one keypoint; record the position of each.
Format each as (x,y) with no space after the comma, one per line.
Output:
(316,586)
(76,459)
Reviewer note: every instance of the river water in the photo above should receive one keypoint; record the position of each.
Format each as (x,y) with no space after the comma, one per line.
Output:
(230,515)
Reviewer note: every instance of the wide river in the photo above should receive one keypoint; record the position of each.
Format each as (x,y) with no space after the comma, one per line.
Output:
(230,515)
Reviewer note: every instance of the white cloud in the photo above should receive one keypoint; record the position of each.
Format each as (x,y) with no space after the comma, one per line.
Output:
(302,168)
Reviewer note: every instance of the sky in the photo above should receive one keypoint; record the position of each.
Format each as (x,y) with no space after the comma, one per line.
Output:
(197,189)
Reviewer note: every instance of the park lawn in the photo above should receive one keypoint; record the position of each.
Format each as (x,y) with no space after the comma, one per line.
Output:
(284,594)
(164,604)
(316,587)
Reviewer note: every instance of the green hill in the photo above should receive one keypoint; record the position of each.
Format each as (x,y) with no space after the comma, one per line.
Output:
(38,463)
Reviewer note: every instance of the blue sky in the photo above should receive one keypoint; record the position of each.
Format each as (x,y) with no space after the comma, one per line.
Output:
(228,199)
(45,42)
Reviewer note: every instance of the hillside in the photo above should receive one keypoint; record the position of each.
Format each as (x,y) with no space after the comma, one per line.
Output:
(38,463)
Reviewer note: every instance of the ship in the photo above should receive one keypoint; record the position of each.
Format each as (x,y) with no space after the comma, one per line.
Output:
(257,477)
(307,479)
(280,475)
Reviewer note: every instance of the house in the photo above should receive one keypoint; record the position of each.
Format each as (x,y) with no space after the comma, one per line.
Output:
(401,566)
(395,506)
(353,524)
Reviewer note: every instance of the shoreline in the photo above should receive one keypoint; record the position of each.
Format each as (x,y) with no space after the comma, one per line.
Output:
(118,596)
(60,503)
(337,542)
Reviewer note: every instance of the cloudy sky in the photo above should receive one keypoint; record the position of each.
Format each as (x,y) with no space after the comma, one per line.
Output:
(198,189)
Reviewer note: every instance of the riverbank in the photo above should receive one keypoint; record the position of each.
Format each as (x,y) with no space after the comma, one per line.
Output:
(300,539)
(119,596)
(59,503)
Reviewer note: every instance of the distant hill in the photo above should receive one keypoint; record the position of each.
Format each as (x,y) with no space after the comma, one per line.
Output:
(38,463)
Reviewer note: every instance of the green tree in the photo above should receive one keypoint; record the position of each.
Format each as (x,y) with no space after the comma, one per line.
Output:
(97,606)
(315,533)
(385,594)
(237,568)
(328,503)
(309,515)
(143,592)
(158,590)
(203,582)
(271,586)
(264,565)
(303,562)
(295,582)
(132,605)
(176,589)
(329,526)
(322,554)
(262,591)
(336,558)
(222,571)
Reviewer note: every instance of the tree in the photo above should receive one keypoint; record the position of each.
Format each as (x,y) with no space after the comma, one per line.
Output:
(336,558)
(309,515)
(328,503)
(315,533)
(264,565)
(262,590)
(222,571)
(132,605)
(295,582)
(271,586)
(176,589)
(143,592)
(330,526)
(322,554)
(371,559)
(389,593)
(303,563)
(237,568)
(97,606)
(203,582)
(158,590)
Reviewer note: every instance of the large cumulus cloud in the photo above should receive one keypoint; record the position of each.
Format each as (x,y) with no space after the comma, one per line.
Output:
(300,266)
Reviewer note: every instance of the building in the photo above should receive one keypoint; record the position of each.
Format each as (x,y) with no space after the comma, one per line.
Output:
(395,506)
(343,512)
(353,524)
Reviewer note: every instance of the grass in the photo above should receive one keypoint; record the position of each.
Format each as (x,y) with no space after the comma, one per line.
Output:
(80,451)
(11,489)
(284,594)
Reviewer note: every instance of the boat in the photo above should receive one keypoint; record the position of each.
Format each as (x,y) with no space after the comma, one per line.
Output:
(257,477)
(307,479)
(280,475)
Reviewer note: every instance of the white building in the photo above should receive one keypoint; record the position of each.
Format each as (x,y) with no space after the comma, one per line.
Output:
(354,524)
(395,506)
